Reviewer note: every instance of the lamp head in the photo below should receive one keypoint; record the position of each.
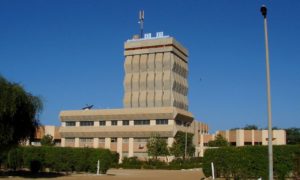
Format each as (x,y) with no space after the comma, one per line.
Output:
(263,11)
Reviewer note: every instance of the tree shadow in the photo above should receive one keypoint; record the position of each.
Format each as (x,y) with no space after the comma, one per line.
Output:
(30,175)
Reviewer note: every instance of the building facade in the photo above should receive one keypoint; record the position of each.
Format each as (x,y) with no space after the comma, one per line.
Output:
(241,137)
(155,102)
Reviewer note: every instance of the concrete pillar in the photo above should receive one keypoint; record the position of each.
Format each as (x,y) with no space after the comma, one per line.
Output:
(119,148)
(107,143)
(108,123)
(77,123)
(96,142)
(63,124)
(252,136)
(152,122)
(96,123)
(76,142)
(227,135)
(264,136)
(131,123)
(120,123)
(63,142)
(201,146)
(170,141)
(240,137)
(171,122)
(130,147)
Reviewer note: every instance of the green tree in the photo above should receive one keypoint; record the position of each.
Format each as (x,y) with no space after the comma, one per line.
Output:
(178,147)
(250,127)
(219,141)
(293,136)
(47,140)
(18,113)
(157,146)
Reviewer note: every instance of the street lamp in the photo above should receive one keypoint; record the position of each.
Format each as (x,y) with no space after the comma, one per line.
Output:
(263,10)
(185,146)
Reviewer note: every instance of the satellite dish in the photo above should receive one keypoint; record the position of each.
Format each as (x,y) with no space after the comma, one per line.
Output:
(87,107)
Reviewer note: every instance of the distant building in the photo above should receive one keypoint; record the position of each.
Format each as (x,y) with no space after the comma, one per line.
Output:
(241,137)
(155,101)
(46,130)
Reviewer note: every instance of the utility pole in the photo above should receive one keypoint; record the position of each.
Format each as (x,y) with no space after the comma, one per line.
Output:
(263,10)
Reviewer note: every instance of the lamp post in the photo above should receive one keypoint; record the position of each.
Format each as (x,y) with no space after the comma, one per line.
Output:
(185,146)
(263,10)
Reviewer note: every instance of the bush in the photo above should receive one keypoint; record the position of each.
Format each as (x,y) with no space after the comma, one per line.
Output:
(60,159)
(132,163)
(250,162)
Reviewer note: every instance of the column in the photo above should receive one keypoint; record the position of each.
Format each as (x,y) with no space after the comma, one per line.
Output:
(130,147)
(76,142)
(152,122)
(63,142)
(119,148)
(96,142)
(107,143)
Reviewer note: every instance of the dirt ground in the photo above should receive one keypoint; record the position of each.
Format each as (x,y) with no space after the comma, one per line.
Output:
(125,174)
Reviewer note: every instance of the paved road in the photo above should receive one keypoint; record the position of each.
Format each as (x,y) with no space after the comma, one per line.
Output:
(125,174)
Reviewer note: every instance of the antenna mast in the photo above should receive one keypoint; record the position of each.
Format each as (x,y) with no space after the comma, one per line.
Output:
(141,21)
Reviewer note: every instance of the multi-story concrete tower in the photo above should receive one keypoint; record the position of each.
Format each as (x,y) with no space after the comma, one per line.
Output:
(156,71)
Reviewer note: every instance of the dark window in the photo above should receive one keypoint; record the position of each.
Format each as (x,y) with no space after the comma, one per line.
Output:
(113,139)
(86,123)
(125,122)
(257,143)
(114,123)
(141,122)
(233,143)
(161,121)
(70,123)
(248,143)
(102,123)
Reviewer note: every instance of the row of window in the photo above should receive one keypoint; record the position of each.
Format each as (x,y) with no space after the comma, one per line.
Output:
(115,122)
(112,140)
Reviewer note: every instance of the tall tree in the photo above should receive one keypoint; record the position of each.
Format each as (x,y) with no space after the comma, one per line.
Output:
(47,140)
(178,147)
(219,141)
(18,113)
(293,136)
(250,127)
(157,146)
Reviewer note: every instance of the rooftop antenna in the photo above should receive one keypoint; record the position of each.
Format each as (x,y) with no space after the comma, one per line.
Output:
(141,21)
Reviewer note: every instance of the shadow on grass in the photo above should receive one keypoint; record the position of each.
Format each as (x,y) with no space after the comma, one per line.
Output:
(28,174)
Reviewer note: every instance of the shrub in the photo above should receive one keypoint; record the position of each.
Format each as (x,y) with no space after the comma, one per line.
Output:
(250,162)
(14,158)
(132,163)
(61,159)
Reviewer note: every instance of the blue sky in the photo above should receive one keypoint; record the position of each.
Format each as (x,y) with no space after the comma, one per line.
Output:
(71,53)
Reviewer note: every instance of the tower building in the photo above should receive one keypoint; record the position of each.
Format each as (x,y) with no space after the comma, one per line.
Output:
(155,102)
(156,71)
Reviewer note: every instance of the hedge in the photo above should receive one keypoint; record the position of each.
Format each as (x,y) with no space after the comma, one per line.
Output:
(252,161)
(135,163)
(60,159)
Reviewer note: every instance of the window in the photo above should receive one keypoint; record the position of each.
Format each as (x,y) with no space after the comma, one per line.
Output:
(69,140)
(86,140)
(161,121)
(87,123)
(125,122)
(113,139)
(102,123)
(70,123)
(114,123)
(101,140)
(257,143)
(141,122)
(248,143)
(125,140)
